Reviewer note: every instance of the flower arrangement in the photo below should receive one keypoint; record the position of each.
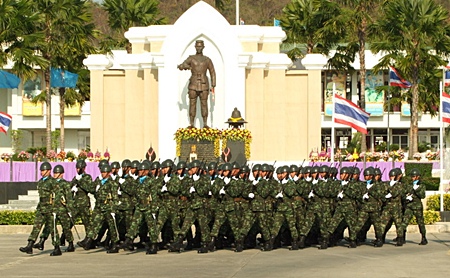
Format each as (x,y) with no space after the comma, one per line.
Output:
(90,156)
(106,155)
(98,156)
(23,156)
(38,155)
(431,155)
(314,155)
(397,155)
(209,134)
(417,156)
(71,156)
(5,157)
(61,156)
(385,156)
(362,155)
(82,155)
(349,157)
(51,154)
(376,156)
(236,134)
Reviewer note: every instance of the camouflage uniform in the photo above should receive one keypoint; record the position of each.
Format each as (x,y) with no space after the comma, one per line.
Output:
(126,204)
(415,192)
(169,195)
(81,186)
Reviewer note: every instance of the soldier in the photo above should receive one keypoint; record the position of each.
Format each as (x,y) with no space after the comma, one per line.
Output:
(415,191)
(303,188)
(264,188)
(106,200)
(127,186)
(371,195)
(146,209)
(220,216)
(44,211)
(115,166)
(392,210)
(346,210)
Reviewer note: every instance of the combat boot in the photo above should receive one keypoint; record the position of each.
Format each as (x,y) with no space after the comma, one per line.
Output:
(82,243)
(70,248)
(127,244)
(399,241)
(40,244)
(177,245)
(294,245)
(62,240)
(29,248)
(56,251)
(301,243)
(424,240)
(153,249)
(114,249)
(212,244)
(378,243)
(239,246)
(203,249)
(88,244)
(323,244)
(352,244)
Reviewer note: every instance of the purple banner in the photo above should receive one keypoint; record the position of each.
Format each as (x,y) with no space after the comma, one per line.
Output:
(29,171)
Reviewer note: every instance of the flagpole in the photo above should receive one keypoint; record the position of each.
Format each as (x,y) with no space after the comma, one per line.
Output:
(237,13)
(333,139)
(441,141)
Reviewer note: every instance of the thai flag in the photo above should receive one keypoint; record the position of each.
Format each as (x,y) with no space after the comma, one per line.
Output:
(5,122)
(447,78)
(445,108)
(396,81)
(348,113)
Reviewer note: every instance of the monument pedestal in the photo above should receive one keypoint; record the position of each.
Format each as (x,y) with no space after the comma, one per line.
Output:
(204,150)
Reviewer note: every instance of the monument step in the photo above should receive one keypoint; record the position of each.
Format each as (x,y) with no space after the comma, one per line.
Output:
(15,202)
(32,193)
(29,197)
(18,207)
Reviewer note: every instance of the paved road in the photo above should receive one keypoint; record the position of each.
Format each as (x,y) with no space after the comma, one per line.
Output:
(410,260)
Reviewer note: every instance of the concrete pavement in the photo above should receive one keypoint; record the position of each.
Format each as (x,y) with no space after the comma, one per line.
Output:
(411,260)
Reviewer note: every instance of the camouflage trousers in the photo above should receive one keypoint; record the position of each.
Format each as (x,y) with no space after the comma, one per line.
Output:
(393,213)
(48,220)
(345,213)
(62,218)
(84,212)
(418,213)
(98,217)
(202,215)
(124,219)
(220,218)
(322,216)
(287,217)
(373,216)
(259,218)
(145,217)
(170,214)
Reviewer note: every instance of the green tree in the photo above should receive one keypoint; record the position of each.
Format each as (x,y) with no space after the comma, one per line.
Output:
(415,35)
(304,22)
(123,14)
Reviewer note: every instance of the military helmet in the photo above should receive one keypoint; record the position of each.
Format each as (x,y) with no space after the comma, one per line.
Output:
(195,163)
(115,165)
(344,170)
(285,169)
(181,165)
(80,164)
(306,170)
(155,165)
(58,169)
(45,166)
(236,165)
(245,169)
(324,169)
(212,166)
(256,167)
(393,172)
(370,171)
(102,162)
(293,168)
(315,170)
(220,167)
(145,165)
(126,163)
(227,167)
(135,164)
(279,170)
(399,171)
(105,168)
(271,168)
(167,163)
(356,171)
(377,172)
(265,167)
(414,172)
(333,170)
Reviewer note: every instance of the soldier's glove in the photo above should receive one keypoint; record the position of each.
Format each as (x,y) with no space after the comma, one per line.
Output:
(389,195)
(180,178)
(135,177)
(344,182)
(97,188)
(78,177)
(415,186)
(121,180)
(154,215)
(195,177)
(340,195)
(279,195)
(311,194)
(70,214)
(113,215)
(74,189)
(234,178)
(227,180)
(284,181)
(315,181)
(164,188)
(295,178)
(212,182)
(209,193)
(113,177)
(308,179)
(366,196)
(166,178)
(409,198)
(119,192)
(192,189)
(251,195)
(222,191)
(369,185)
(391,183)
(255,182)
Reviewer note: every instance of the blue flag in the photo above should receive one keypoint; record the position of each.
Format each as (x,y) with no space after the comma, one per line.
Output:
(8,80)
(62,78)
(276,22)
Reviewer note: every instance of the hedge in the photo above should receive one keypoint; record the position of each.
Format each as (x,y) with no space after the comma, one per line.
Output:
(431,184)
(434,202)
(429,217)
(425,168)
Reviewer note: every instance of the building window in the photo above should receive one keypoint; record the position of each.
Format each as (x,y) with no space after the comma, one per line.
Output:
(84,140)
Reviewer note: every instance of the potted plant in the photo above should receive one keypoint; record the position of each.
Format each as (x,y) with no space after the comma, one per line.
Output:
(38,155)
(6,157)
(82,155)
(61,156)
(417,156)
(70,156)
(23,156)
(51,155)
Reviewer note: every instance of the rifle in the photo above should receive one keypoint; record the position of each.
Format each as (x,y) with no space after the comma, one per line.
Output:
(73,223)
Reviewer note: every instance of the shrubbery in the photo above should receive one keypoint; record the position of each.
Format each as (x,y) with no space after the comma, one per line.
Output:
(434,202)
(429,217)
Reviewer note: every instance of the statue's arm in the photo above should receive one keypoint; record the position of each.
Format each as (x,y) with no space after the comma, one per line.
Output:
(186,65)
(212,73)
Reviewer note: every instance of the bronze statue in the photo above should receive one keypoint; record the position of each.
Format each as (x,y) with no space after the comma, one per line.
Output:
(198,83)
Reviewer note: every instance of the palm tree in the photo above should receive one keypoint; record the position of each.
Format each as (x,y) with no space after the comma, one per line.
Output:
(123,14)
(415,34)
(356,17)
(304,22)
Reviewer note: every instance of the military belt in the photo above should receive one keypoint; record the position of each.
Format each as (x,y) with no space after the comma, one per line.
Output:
(168,197)
(144,202)
(183,198)
(238,199)
(298,198)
